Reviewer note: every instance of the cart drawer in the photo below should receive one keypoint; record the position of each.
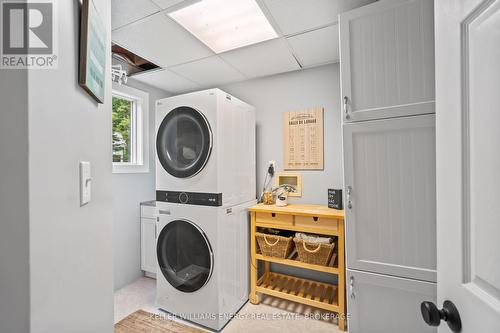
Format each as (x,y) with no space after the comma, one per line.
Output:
(319,222)
(273,218)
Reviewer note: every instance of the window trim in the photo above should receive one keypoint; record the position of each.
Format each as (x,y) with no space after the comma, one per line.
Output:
(139,129)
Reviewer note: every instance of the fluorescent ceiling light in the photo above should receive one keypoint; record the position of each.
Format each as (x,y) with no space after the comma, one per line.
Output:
(225,25)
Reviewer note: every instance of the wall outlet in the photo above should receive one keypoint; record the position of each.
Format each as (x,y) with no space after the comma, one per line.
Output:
(273,163)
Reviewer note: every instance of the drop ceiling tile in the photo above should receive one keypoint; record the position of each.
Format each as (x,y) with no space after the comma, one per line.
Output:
(316,47)
(166,80)
(209,71)
(164,4)
(127,11)
(159,39)
(294,16)
(262,59)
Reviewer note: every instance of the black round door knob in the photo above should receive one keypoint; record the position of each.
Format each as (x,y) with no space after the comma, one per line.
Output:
(449,313)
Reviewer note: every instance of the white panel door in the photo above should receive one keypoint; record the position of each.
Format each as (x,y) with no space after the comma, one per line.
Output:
(389,170)
(387,60)
(468,161)
(386,304)
(148,245)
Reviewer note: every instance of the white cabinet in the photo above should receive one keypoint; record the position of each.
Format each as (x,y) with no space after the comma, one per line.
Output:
(148,245)
(386,304)
(387,79)
(148,212)
(389,169)
(387,60)
(148,240)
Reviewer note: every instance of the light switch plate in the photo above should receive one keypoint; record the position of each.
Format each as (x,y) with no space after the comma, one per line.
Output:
(85,183)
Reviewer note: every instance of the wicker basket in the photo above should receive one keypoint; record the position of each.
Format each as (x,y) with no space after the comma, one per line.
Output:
(274,246)
(311,253)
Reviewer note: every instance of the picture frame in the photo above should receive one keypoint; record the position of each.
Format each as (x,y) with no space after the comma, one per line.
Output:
(93,41)
(290,178)
(303,139)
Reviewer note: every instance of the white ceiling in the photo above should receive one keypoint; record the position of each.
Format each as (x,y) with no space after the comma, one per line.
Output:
(317,46)
(307,29)
(209,71)
(168,81)
(266,58)
(164,4)
(127,11)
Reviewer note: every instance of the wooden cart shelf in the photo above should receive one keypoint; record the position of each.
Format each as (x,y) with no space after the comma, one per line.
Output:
(311,230)
(294,261)
(317,294)
(303,218)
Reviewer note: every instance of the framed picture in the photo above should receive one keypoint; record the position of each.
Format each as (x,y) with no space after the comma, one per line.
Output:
(290,178)
(303,139)
(92,52)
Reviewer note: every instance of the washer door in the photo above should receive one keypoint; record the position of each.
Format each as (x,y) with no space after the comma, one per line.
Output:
(184,142)
(184,255)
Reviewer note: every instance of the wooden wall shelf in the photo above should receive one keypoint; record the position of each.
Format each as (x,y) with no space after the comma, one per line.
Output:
(303,218)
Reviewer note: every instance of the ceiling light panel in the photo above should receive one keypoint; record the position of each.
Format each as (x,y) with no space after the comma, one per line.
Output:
(225,25)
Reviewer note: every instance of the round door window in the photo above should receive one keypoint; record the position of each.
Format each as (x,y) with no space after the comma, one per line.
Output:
(184,256)
(184,142)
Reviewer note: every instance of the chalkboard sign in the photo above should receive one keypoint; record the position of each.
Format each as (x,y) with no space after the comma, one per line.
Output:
(335,198)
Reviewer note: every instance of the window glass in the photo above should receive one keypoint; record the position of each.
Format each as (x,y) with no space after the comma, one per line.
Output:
(184,142)
(130,130)
(122,130)
(184,256)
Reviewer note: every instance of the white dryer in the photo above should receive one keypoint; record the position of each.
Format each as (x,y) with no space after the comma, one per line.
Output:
(203,262)
(205,144)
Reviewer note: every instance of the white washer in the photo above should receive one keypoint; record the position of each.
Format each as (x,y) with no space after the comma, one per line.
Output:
(203,262)
(205,143)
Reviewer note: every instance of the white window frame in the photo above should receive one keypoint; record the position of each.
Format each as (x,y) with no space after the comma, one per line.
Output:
(139,130)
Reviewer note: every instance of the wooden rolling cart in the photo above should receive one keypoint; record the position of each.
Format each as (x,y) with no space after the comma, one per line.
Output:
(313,219)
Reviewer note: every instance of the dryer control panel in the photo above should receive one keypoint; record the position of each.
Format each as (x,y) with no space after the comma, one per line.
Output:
(190,198)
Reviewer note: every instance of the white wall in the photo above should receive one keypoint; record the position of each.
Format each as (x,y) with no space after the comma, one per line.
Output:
(316,87)
(14,217)
(128,191)
(71,283)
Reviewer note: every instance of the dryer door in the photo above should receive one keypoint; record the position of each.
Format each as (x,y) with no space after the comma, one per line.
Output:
(184,255)
(184,142)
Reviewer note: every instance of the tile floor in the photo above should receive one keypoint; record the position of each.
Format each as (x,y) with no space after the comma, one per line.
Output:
(272,315)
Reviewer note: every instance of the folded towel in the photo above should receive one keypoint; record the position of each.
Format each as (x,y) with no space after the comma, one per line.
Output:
(313,238)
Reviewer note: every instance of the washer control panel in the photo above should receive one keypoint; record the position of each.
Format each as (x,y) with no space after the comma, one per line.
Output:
(190,198)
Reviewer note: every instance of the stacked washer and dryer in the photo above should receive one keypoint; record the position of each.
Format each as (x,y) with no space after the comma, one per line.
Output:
(205,182)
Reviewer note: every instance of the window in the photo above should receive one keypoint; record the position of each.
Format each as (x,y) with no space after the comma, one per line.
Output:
(130,130)
(123,119)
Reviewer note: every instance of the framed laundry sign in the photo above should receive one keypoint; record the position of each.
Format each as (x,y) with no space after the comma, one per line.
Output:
(303,139)
(92,52)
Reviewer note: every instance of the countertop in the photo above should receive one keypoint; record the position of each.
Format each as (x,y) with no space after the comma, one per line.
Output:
(304,210)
